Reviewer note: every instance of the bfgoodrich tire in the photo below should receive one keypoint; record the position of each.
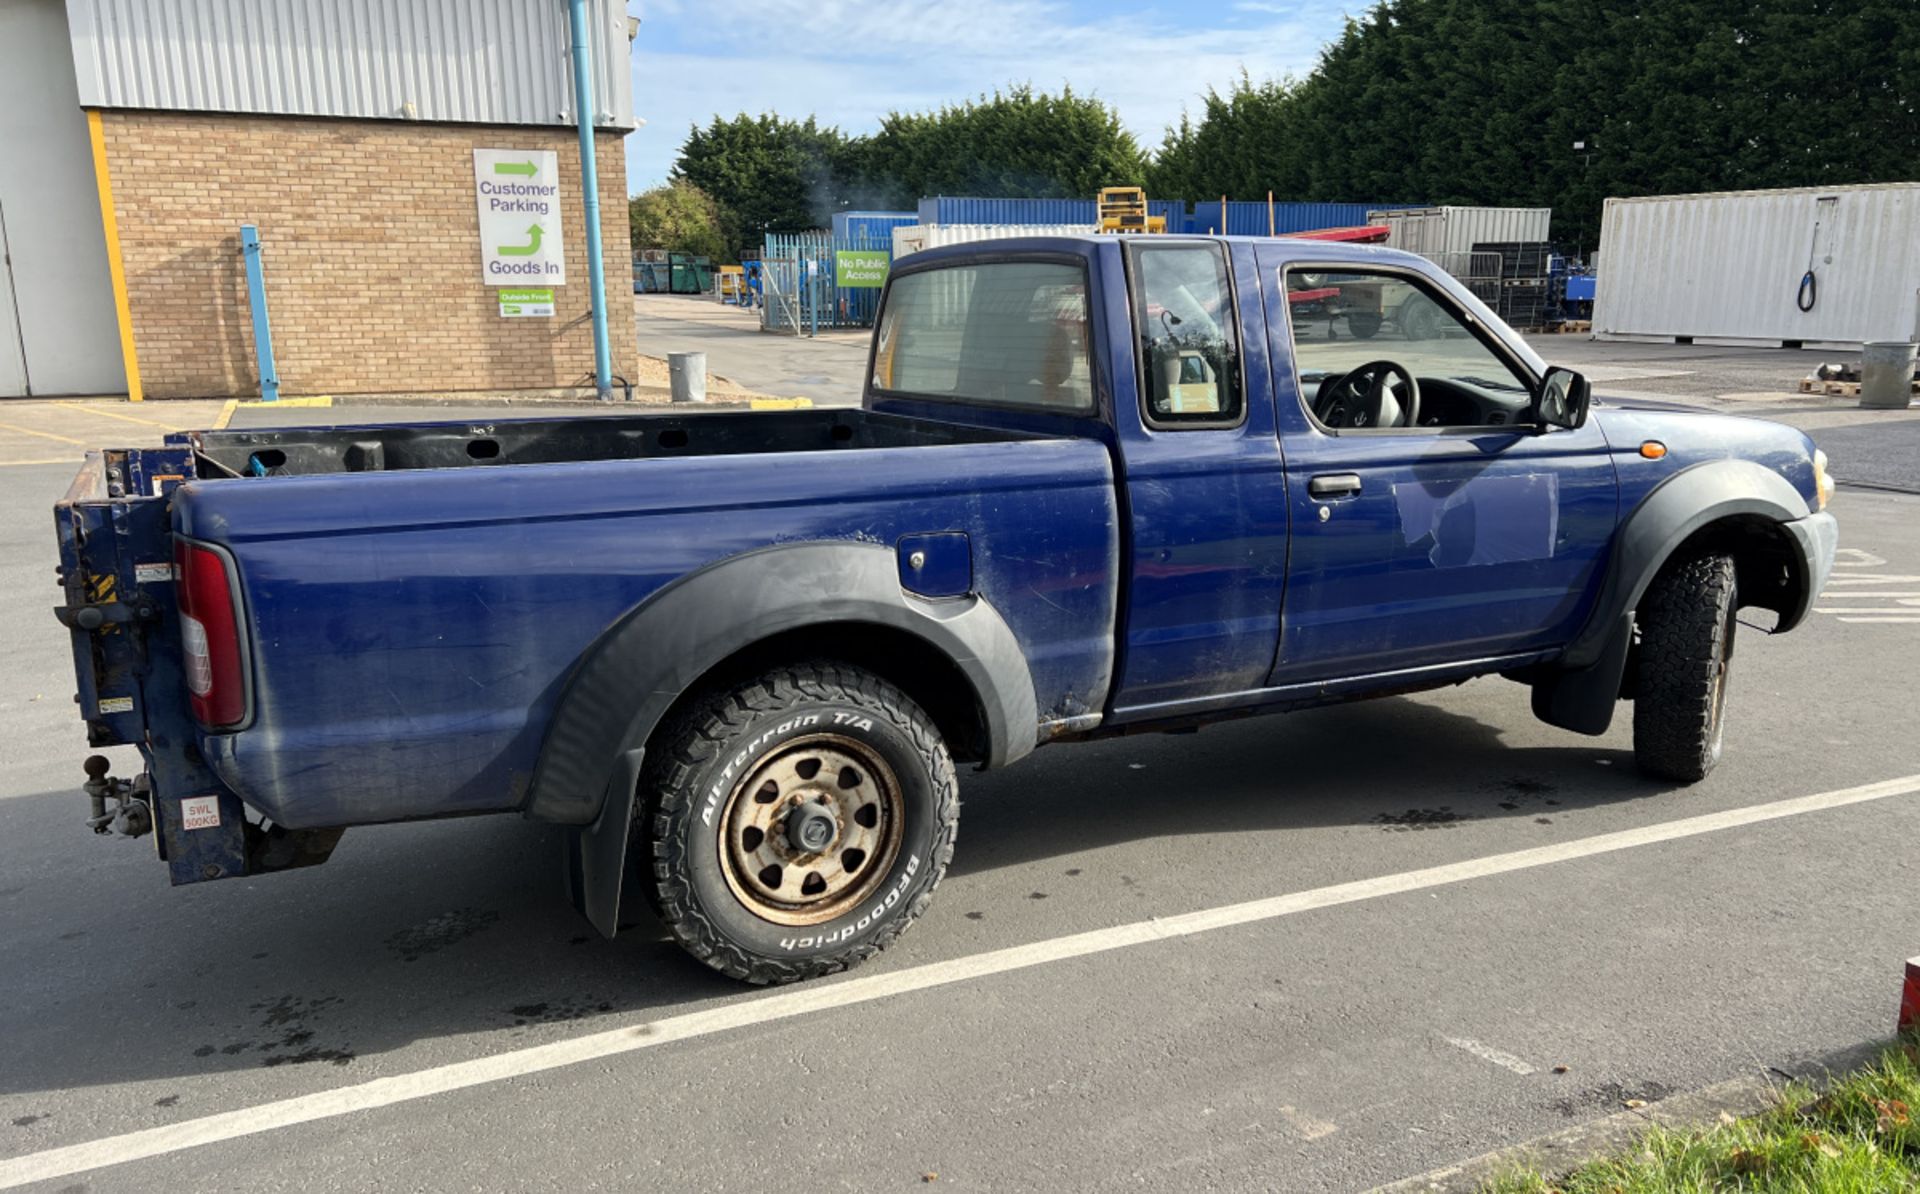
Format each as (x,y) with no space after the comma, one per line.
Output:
(797,823)
(1686,623)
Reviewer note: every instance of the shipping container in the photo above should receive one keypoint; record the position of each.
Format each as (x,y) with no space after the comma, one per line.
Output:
(1430,231)
(1735,266)
(1250,218)
(955,209)
(869,225)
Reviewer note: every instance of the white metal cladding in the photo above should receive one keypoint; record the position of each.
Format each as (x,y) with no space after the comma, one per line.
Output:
(911,238)
(454,61)
(1432,230)
(1728,266)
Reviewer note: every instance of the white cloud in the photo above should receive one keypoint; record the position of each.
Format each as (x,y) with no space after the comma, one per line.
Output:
(850,63)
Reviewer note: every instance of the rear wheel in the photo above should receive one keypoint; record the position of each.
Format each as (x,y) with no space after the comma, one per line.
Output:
(1686,623)
(797,823)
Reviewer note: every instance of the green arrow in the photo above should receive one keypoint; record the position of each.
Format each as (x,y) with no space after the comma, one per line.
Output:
(526,168)
(526,250)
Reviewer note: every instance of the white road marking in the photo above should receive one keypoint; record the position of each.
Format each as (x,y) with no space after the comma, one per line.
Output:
(1869,594)
(1906,620)
(1905,607)
(1505,1061)
(809,998)
(1853,557)
(1857,579)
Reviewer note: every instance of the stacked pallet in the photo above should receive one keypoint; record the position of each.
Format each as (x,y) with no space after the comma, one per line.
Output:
(1839,389)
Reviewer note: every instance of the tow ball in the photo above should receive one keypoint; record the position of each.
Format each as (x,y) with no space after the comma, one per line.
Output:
(131,813)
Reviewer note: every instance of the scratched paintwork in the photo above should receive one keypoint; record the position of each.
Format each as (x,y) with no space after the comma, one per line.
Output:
(413,630)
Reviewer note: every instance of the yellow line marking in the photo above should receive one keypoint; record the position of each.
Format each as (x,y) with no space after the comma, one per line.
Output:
(65,439)
(47,460)
(116,267)
(257,404)
(779,404)
(114,414)
(226,414)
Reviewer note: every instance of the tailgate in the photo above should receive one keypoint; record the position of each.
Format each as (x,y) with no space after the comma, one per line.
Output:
(116,569)
(116,573)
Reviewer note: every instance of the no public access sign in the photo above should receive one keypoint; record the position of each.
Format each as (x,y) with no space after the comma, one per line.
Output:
(518,194)
(860,269)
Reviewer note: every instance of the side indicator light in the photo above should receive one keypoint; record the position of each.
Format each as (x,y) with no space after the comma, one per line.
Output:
(1653,449)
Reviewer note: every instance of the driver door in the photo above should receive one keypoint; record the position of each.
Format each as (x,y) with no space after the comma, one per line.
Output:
(1467,535)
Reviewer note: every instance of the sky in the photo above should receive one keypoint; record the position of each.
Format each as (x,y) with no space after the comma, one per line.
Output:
(849,64)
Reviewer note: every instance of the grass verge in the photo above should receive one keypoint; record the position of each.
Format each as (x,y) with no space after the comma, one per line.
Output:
(1860,1136)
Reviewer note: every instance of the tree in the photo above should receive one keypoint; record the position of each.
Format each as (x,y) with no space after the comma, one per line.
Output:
(767,174)
(1481,101)
(771,174)
(678,216)
(1018,143)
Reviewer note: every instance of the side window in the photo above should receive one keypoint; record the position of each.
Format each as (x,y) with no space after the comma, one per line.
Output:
(1010,332)
(1346,319)
(1188,344)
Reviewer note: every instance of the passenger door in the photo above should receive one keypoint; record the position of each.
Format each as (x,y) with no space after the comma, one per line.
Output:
(1470,535)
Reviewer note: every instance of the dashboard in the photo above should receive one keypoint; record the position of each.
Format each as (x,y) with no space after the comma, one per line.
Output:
(1454,401)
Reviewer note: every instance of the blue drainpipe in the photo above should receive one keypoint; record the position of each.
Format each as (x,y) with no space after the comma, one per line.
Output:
(590,183)
(257,303)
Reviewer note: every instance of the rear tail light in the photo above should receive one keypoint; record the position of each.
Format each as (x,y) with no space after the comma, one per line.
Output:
(210,636)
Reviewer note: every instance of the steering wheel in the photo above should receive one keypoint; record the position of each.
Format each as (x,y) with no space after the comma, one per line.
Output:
(1342,402)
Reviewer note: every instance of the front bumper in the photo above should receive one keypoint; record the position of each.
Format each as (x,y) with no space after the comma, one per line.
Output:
(1817,536)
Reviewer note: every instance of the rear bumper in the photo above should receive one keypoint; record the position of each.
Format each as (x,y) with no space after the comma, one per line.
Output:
(1816,537)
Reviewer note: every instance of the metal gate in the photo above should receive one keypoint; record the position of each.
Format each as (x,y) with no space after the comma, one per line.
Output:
(797,280)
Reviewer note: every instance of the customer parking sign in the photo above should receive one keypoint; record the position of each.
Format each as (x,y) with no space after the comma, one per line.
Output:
(518,194)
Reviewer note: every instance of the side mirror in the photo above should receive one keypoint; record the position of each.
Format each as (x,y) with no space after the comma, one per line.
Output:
(1563,399)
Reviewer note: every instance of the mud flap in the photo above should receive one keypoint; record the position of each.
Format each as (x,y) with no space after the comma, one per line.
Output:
(1583,699)
(597,854)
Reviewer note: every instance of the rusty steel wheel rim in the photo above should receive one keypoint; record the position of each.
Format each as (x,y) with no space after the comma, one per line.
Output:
(812,830)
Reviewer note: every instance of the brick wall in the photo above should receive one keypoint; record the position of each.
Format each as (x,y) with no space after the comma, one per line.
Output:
(372,256)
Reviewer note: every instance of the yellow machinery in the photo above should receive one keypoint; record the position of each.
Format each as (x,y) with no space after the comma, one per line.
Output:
(1124,209)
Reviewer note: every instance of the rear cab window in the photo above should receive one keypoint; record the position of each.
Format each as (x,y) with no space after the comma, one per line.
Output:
(1189,343)
(1002,333)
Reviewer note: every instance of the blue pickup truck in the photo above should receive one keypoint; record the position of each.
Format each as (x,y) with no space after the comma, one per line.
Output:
(1097,486)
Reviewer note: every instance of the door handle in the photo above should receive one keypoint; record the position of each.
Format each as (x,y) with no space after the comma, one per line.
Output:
(1331,485)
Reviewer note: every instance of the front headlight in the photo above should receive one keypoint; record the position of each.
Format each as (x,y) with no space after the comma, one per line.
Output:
(1822,484)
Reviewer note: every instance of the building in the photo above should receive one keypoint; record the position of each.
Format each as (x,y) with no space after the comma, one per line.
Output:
(143,134)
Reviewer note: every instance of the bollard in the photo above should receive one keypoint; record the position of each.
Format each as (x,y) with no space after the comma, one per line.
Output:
(687,376)
(1886,375)
(1909,1022)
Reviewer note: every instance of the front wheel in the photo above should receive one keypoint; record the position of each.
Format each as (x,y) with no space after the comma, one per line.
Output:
(797,823)
(1686,623)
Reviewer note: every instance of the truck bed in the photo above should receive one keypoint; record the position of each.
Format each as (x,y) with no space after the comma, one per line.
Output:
(410,630)
(303,451)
